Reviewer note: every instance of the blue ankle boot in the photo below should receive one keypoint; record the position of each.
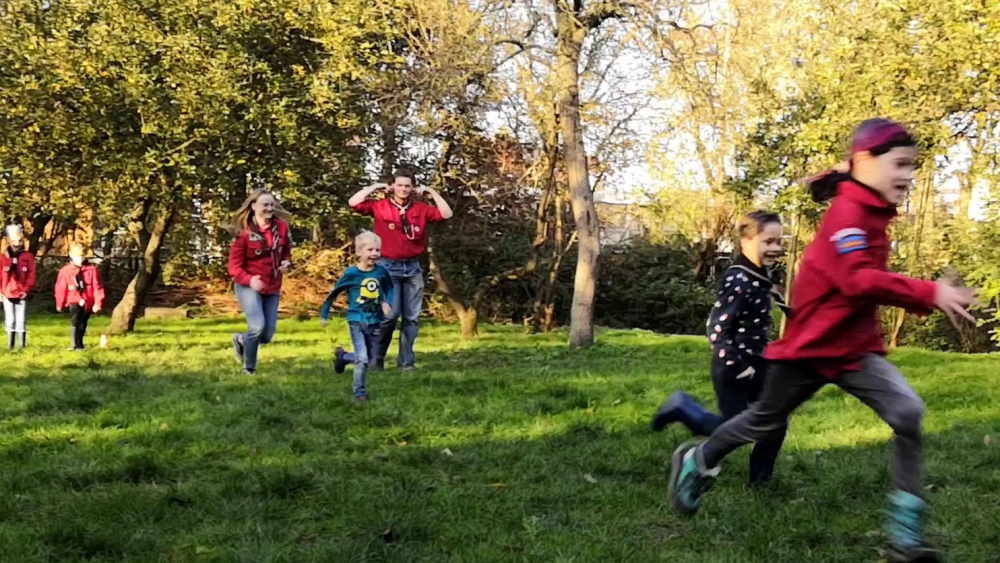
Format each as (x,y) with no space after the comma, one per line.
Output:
(905,529)
(680,407)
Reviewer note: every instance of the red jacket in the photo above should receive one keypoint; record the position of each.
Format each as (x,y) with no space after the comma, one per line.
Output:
(68,287)
(399,243)
(842,281)
(260,253)
(17,274)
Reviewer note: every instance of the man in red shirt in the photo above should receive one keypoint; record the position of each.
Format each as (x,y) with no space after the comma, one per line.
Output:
(401,223)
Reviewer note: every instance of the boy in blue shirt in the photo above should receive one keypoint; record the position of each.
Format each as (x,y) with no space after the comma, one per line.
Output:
(369,292)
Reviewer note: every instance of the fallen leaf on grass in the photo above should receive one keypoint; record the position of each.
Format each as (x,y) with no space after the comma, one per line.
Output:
(164,427)
(498,485)
(447,452)
(589,478)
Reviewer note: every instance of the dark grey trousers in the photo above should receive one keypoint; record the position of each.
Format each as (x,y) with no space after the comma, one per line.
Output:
(789,384)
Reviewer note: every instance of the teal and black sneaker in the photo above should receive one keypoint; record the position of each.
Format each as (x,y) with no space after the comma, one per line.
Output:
(687,480)
(905,529)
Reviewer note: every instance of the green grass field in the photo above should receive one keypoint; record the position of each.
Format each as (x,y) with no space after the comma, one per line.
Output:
(507,449)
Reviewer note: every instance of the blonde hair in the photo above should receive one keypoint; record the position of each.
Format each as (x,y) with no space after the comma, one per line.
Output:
(242,217)
(365,238)
(77,249)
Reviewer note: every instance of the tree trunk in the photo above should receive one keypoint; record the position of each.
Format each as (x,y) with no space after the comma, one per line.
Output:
(790,271)
(468,316)
(923,199)
(38,223)
(390,145)
(966,185)
(468,319)
(571,33)
(151,244)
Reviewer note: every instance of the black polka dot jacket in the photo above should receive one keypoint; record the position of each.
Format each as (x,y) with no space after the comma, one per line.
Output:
(739,324)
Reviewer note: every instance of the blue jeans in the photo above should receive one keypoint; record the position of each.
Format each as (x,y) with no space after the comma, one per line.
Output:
(364,338)
(407,300)
(262,321)
(13,314)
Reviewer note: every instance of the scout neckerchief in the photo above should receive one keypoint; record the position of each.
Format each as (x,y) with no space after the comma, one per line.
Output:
(403,221)
(81,286)
(14,253)
(255,235)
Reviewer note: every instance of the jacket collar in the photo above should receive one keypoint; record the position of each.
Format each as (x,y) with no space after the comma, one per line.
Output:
(747,265)
(865,195)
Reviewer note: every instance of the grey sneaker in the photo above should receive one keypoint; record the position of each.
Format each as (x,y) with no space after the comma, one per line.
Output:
(410,367)
(237,348)
(687,481)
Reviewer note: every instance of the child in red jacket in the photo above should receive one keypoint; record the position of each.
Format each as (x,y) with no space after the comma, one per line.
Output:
(834,335)
(17,281)
(79,287)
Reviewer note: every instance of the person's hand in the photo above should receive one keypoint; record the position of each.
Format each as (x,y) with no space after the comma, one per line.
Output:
(378,186)
(256,284)
(97,309)
(386,309)
(323,322)
(285,264)
(749,372)
(423,190)
(954,301)
(59,309)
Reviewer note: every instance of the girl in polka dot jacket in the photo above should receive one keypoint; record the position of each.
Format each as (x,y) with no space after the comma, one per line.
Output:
(738,329)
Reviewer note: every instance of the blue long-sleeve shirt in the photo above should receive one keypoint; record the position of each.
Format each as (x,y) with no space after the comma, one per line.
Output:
(366,291)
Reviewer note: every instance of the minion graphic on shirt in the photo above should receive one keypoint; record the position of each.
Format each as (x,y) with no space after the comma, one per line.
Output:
(369,292)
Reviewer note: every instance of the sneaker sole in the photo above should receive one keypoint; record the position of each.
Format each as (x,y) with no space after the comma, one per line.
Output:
(676,462)
(919,555)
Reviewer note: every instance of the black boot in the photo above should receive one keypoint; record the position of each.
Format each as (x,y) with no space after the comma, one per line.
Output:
(24,340)
(11,337)
(72,338)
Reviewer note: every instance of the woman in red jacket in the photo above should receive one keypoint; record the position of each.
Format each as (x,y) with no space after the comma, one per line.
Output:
(79,287)
(17,281)
(258,258)
(834,335)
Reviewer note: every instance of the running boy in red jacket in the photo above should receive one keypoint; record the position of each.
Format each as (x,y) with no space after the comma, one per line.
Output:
(79,287)
(834,335)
